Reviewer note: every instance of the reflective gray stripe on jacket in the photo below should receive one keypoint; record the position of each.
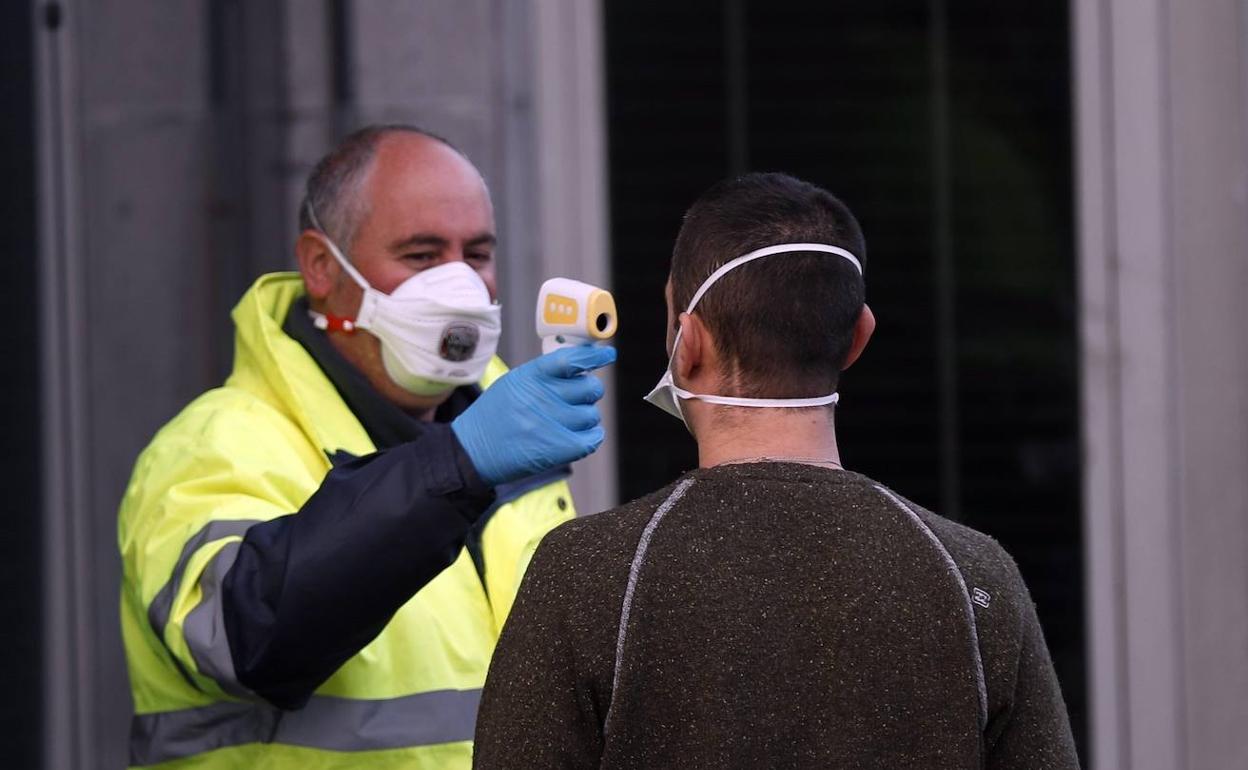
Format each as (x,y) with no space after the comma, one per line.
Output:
(327,722)
(204,627)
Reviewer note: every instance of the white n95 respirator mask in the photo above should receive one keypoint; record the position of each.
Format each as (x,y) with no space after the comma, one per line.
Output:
(438,329)
(667,395)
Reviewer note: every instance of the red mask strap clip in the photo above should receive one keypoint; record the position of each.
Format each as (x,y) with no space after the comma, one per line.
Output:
(333,323)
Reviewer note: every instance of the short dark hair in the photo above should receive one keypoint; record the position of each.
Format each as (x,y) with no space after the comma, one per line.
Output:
(334,185)
(783,323)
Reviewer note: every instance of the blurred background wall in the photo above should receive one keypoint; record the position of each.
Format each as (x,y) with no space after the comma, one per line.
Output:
(1054,203)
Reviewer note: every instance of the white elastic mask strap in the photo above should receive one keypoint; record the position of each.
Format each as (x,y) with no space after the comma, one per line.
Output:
(780,248)
(763,403)
(333,249)
(785,403)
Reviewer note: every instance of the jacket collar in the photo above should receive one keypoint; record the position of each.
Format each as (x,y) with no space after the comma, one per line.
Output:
(268,362)
(387,425)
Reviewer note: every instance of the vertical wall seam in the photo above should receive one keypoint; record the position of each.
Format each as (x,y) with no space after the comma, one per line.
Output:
(341,71)
(57,714)
(78,374)
(1117,472)
(1102,360)
(68,729)
(1171,312)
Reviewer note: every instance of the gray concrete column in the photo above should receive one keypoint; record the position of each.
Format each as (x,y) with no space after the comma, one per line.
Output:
(1163,180)
(571,182)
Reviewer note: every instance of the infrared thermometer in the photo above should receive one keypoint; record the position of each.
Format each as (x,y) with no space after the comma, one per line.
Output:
(574,313)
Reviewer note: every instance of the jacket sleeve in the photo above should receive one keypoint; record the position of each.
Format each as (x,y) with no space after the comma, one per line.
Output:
(1032,730)
(249,587)
(538,708)
(307,591)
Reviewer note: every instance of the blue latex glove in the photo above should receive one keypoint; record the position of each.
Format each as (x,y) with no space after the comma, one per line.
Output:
(537,416)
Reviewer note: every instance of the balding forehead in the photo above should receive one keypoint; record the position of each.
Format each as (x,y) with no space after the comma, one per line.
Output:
(338,189)
(428,149)
(426,159)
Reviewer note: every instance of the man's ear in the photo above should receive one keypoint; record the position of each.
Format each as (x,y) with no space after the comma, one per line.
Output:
(691,347)
(862,332)
(319,268)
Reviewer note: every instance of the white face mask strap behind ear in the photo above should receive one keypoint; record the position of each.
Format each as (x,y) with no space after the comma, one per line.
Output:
(333,249)
(675,393)
(783,403)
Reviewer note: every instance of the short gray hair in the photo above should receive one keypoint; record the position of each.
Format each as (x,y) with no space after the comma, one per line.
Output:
(334,186)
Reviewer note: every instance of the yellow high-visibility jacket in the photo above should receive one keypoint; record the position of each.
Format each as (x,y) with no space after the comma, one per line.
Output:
(254,450)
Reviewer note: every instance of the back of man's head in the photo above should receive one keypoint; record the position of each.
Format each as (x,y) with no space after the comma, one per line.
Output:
(784,323)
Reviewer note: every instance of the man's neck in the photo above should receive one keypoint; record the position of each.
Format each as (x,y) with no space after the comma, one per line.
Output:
(744,434)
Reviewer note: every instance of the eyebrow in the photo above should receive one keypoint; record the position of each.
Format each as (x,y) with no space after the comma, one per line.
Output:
(438,242)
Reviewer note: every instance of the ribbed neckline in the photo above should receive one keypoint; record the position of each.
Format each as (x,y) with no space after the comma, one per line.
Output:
(778,471)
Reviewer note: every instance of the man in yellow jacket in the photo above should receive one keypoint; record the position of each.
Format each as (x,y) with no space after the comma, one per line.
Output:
(318,555)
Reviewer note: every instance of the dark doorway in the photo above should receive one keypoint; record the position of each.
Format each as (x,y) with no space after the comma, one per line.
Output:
(947,128)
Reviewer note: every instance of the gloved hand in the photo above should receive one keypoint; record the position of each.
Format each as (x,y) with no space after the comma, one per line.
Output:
(536,417)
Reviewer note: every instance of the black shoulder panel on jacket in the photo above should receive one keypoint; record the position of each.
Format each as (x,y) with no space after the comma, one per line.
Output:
(311,589)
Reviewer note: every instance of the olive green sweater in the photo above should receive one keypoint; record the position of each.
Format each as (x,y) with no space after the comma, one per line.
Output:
(772,615)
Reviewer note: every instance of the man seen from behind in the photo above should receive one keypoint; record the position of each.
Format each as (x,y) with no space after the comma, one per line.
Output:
(770,609)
